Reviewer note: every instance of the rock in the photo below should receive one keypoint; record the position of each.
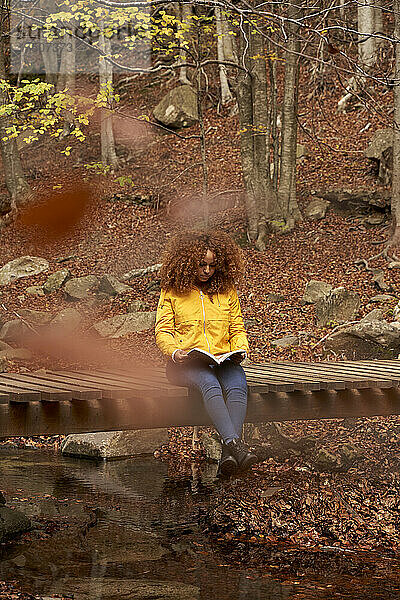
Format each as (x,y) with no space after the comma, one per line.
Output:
(286,341)
(110,286)
(178,108)
(4,346)
(382,298)
(35,290)
(37,318)
(396,312)
(349,452)
(350,201)
(122,325)
(153,287)
(339,306)
(274,298)
(56,280)
(367,340)
(14,331)
(12,523)
(79,288)
(315,290)
(68,318)
(301,152)
(374,315)
(125,588)
(136,306)
(25,266)
(212,447)
(114,444)
(316,209)
(380,149)
(326,460)
(374,218)
(378,277)
(16,354)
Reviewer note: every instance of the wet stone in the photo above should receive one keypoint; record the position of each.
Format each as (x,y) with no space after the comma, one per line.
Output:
(12,523)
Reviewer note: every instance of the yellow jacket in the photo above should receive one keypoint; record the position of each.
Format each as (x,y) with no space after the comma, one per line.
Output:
(194,320)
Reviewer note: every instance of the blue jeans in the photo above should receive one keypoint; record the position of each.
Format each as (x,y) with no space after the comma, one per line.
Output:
(223,389)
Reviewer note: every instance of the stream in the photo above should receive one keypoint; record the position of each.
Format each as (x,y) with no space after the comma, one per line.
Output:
(128,529)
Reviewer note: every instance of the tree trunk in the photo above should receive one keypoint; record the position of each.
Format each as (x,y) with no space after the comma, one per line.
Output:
(245,105)
(395,205)
(47,49)
(66,77)
(16,183)
(108,154)
(287,179)
(366,26)
(226,94)
(184,14)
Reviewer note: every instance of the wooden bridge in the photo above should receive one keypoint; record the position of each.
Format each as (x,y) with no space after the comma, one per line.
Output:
(61,402)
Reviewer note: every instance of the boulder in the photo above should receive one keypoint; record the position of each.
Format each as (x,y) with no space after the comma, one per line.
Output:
(25,266)
(286,341)
(35,290)
(122,325)
(12,523)
(56,280)
(109,587)
(367,340)
(36,318)
(14,331)
(212,447)
(114,444)
(110,286)
(136,306)
(380,149)
(178,108)
(316,209)
(315,290)
(68,318)
(79,288)
(396,312)
(4,346)
(339,306)
(374,315)
(15,354)
(325,460)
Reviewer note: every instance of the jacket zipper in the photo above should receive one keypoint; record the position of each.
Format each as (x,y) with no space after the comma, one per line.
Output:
(204,321)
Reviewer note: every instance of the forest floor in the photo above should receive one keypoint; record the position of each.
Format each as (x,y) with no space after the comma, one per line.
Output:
(288,497)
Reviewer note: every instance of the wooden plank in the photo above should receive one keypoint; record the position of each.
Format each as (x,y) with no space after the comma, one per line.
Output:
(351,380)
(15,394)
(79,392)
(299,381)
(90,379)
(136,383)
(48,394)
(327,381)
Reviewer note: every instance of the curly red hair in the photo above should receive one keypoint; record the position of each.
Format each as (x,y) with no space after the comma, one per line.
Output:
(185,250)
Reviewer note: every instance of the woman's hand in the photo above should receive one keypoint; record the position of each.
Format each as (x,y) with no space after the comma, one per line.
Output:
(180,356)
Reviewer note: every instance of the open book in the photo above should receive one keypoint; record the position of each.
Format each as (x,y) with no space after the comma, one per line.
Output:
(211,359)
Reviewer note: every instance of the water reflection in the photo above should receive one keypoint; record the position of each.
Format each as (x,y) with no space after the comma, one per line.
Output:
(118,529)
(124,529)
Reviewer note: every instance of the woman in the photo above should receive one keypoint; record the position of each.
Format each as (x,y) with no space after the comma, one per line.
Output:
(199,308)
